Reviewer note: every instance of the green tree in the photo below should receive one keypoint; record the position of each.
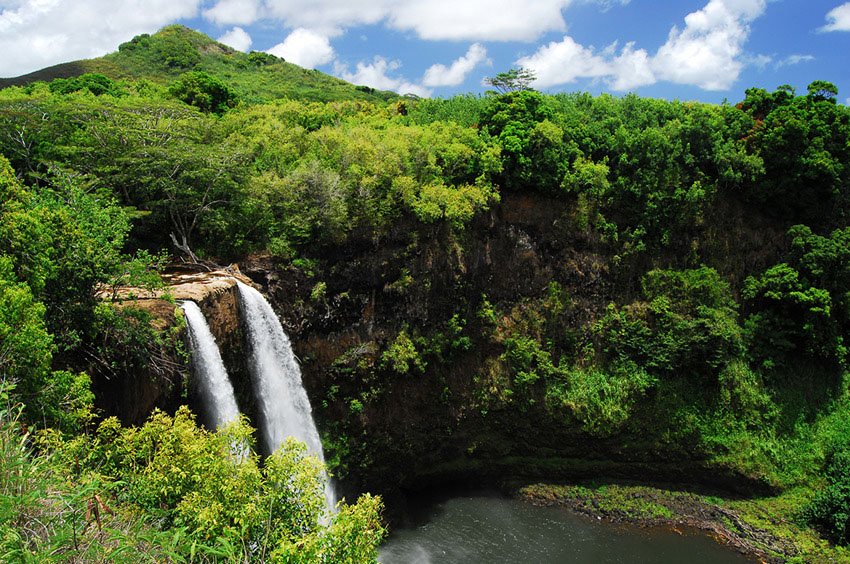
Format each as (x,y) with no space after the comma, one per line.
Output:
(96,83)
(804,142)
(801,306)
(26,347)
(534,154)
(829,511)
(211,488)
(685,327)
(822,90)
(204,91)
(512,80)
(173,49)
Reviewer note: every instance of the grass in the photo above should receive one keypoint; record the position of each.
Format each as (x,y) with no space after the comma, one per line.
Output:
(624,502)
(766,527)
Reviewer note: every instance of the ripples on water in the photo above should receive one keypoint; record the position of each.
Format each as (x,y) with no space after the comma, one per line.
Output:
(490,529)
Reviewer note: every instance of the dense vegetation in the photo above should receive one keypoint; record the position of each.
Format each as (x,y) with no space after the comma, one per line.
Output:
(684,295)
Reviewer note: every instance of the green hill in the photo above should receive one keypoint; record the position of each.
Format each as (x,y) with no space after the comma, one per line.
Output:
(162,57)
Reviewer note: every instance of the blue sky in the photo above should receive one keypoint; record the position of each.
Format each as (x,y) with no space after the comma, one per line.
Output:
(707,50)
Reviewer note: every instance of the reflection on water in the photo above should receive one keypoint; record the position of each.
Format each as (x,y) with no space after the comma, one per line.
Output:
(490,529)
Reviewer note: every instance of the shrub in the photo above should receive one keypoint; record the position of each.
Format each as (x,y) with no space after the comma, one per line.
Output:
(211,489)
(401,355)
(95,83)
(204,91)
(602,400)
(829,511)
(687,323)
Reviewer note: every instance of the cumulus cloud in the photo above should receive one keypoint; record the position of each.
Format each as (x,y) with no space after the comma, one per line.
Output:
(44,32)
(376,74)
(493,20)
(459,20)
(838,18)
(305,48)
(237,38)
(229,12)
(561,62)
(708,52)
(632,68)
(441,75)
(330,17)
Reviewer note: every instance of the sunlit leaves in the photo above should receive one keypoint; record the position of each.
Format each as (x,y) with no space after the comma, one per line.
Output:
(213,487)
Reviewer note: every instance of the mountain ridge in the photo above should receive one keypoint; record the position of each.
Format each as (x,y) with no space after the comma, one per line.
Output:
(164,56)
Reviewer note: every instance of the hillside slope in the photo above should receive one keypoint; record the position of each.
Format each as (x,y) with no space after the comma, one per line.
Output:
(162,57)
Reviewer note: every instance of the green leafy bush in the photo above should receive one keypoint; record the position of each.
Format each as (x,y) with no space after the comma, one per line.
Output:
(204,91)
(212,487)
(603,400)
(402,356)
(802,306)
(172,47)
(686,325)
(96,83)
(829,511)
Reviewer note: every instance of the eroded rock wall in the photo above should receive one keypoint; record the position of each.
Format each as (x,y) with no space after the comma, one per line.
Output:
(165,381)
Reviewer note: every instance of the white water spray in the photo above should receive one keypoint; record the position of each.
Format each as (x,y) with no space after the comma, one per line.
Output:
(284,407)
(217,399)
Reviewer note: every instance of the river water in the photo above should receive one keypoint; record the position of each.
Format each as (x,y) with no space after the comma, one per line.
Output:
(490,529)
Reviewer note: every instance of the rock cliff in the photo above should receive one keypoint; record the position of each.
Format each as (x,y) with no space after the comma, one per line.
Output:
(164,381)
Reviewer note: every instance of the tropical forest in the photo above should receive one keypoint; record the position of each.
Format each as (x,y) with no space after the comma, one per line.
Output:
(632,309)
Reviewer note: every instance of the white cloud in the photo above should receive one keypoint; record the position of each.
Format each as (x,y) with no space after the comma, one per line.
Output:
(564,61)
(707,52)
(459,20)
(229,12)
(606,5)
(838,18)
(794,60)
(758,61)
(237,38)
(45,32)
(631,69)
(305,48)
(441,75)
(375,74)
(39,33)
(493,20)
(330,17)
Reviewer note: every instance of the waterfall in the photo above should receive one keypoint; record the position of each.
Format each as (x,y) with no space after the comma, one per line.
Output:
(284,408)
(217,400)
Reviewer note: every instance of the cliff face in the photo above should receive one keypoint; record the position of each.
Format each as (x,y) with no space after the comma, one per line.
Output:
(164,381)
(387,429)
(402,341)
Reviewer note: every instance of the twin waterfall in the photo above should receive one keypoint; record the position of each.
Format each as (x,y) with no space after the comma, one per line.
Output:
(284,409)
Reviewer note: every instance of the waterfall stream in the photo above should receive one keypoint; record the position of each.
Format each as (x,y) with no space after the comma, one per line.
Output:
(217,400)
(284,408)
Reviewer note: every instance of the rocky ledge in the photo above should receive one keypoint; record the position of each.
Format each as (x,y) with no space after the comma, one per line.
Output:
(133,395)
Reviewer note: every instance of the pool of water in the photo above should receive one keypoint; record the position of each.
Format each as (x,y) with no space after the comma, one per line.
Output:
(488,528)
